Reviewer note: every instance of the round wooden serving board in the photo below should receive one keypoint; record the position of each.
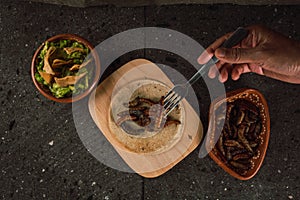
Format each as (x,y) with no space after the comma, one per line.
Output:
(146,164)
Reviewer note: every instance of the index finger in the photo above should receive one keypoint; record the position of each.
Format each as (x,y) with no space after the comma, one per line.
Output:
(209,52)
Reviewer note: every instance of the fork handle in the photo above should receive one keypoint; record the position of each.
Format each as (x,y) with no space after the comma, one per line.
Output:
(238,35)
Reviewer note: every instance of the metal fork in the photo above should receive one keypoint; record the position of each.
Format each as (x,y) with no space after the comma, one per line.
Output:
(179,92)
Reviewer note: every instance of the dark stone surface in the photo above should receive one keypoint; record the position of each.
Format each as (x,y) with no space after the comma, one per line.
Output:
(32,168)
(41,153)
(86,3)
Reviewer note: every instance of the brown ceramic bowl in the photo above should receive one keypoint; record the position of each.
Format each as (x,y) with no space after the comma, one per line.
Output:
(259,101)
(45,91)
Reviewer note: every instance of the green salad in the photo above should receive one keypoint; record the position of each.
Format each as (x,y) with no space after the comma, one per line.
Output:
(62,67)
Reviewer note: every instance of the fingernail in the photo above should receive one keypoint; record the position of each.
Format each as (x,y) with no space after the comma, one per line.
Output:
(211,74)
(199,60)
(221,79)
(220,53)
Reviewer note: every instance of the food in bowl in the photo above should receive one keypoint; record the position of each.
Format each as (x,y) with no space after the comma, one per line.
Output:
(240,137)
(136,122)
(242,119)
(61,68)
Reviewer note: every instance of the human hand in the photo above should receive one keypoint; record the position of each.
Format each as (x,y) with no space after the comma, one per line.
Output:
(263,51)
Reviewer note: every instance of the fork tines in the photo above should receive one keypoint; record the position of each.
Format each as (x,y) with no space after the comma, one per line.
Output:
(171,100)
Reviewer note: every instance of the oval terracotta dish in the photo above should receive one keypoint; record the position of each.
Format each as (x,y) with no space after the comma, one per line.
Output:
(96,73)
(227,152)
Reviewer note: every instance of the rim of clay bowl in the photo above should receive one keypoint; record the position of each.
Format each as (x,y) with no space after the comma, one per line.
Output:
(48,94)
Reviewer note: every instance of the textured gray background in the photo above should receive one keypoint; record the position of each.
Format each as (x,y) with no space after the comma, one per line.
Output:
(86,3)
(41,154)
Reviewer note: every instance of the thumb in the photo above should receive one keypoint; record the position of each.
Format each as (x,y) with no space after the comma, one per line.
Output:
(237,55)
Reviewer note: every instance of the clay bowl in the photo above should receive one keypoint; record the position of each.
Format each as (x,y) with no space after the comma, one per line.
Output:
(212,146)
(96,71)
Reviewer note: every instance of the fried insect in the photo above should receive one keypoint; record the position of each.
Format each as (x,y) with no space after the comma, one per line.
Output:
(148,115)
(233,143)
(170,122)
(228,153)
(240,117)
(239,165)
(156,114)
(247,105)
(241,156)
(125,118)
(242,138)
(239,139)
(238,151)
(220,145)
(137,101)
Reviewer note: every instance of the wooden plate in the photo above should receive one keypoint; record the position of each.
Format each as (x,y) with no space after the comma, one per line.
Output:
(145,164)
(257,98)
